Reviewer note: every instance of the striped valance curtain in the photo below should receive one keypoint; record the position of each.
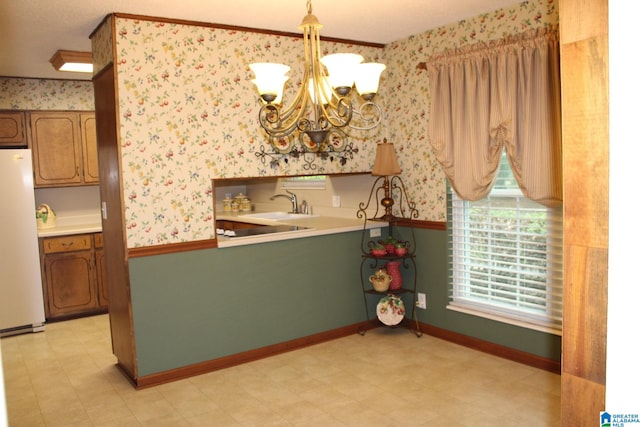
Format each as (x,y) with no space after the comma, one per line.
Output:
(493,96)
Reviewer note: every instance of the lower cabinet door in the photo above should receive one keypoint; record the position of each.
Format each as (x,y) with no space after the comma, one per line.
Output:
(101,271)
(71,283)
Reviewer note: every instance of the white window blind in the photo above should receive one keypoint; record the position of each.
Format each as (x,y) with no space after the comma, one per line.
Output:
(317,182)
(506,256)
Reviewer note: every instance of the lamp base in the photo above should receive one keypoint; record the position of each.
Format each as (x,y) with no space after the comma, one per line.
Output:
(385,218)
(388,186)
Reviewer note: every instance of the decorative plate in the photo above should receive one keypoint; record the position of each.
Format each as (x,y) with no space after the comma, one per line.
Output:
(390,310)
(337,139)
(282,144)
(309,145)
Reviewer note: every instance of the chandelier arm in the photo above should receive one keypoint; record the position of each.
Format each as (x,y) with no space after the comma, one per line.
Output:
(319,78)
(338,109)
(372,119)
(287,122)
(274,128)
(269,118)
(299,102)
(298,107)
(290,118)
(302,97)
(339,114)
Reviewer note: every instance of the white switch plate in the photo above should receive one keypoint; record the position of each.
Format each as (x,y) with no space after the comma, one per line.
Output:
(335,201)
(422,301)
(375,232)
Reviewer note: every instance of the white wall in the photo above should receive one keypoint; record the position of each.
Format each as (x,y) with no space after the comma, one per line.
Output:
(623,317)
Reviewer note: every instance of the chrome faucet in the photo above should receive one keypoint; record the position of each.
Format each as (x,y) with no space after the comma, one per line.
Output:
(304,208)
(291,197)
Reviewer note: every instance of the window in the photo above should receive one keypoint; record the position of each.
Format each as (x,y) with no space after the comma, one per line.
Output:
(317,182)
(506,256)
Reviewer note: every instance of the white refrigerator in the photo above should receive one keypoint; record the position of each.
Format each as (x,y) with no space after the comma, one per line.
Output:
(21,300)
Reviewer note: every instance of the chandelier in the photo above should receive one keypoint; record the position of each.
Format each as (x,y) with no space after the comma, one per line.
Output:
(324,105)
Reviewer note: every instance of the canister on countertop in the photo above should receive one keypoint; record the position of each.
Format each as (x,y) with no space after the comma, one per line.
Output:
(244,204)
(226,203)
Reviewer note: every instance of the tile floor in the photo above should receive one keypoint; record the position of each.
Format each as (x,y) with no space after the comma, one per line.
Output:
(66,376)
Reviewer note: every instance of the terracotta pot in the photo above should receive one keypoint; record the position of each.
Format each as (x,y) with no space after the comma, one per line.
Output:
(401,251)
(378,252)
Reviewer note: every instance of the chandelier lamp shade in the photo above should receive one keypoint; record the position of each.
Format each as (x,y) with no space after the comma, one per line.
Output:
(325,102)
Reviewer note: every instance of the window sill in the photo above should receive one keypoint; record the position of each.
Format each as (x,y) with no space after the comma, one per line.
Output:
(503,319)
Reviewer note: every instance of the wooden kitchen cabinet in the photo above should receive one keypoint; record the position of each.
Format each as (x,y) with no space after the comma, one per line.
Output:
(89,148)
(71,276)
(12,129)
(235,225)
(101,272)
(64,148)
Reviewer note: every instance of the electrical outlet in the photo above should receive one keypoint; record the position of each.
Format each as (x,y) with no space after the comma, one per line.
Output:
(335,201)
(422,301)
(375,232)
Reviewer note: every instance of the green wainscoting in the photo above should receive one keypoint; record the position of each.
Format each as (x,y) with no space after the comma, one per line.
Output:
(196,306)
(433,270)
(201,305)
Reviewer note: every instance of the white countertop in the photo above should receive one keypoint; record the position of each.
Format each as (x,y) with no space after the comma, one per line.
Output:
(318,226)
(73,225)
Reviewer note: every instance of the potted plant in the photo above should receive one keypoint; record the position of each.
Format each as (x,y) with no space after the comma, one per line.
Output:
(389,243)
(378,250)
(400,248)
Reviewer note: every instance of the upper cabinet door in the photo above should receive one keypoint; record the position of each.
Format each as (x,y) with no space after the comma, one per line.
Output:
(57,155)
(12,129)
(65,148)
(89,147)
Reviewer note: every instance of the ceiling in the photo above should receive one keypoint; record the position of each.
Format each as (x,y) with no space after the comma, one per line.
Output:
(32,30)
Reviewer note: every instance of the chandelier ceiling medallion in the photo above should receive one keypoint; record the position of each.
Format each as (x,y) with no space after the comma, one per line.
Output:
(324,104)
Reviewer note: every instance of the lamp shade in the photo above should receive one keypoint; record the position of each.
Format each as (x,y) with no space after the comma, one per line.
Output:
(386,162)
(342,68)
(368,77)
(273,86)
(270,78)
(324,91)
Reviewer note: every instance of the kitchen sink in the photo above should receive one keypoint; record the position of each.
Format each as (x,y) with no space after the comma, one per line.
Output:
(276,216)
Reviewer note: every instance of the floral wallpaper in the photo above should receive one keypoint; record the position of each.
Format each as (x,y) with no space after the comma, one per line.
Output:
(102,45)
(188,113)
(409,120)
(44,94)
